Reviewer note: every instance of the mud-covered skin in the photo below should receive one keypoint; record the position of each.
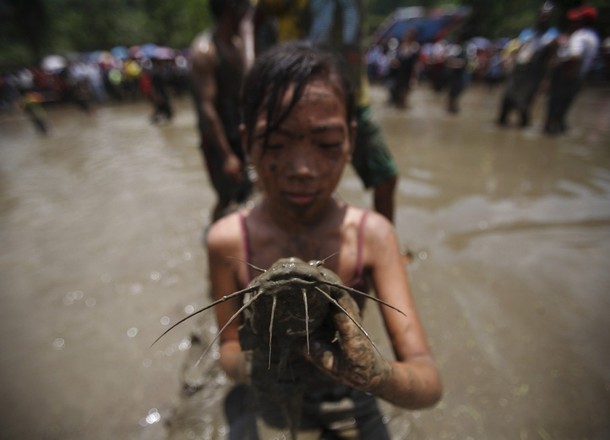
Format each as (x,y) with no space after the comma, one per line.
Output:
(351,357)
(301,328)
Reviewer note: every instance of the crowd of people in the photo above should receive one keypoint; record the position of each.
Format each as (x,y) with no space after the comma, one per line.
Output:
(90,79)
(540,57)
(537,58)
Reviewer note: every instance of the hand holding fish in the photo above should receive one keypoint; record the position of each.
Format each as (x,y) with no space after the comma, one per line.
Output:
(351,358)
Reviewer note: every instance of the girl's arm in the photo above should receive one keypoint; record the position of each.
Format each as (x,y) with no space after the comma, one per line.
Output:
(412,380)
(223,253)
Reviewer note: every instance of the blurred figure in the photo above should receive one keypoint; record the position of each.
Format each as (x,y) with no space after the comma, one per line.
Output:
(96,80)
(79,88)
(456,71)
(377,62)
(9,92)
(403,69)
(322,21)
(575,62)
(495,72)
(32,105)
(145,82)
(538,46)
(162,106)
(132,71)
(435,62)
(217,72)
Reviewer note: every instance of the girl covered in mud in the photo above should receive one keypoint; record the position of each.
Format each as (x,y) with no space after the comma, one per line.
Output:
(298,134)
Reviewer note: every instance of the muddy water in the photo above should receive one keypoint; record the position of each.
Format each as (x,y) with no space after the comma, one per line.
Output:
(101,222)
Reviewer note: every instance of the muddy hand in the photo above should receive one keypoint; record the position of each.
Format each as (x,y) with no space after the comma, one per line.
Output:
(351,358)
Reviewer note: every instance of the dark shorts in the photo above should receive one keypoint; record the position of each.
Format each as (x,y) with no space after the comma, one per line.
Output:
(350,414)
(371,158)
(353,415)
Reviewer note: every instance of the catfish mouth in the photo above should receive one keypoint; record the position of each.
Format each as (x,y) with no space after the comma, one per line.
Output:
(286,273)
(291,280)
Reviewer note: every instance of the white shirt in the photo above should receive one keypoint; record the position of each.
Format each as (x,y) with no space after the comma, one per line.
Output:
(583,44)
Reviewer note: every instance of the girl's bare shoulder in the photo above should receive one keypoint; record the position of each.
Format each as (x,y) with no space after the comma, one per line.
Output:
(225,233)
(379,237)
(375,225)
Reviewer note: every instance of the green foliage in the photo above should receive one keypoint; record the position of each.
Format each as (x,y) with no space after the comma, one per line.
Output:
(175,23)
(31,28)
(95,24)
(23,26)
(496,19)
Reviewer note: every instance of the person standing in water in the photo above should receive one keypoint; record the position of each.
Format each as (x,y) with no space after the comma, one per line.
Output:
(298,133)
(403,69)
(573,65)
(341,33)
(537,48)
(218,67)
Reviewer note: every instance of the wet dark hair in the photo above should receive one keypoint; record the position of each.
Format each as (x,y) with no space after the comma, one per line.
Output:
(275,71)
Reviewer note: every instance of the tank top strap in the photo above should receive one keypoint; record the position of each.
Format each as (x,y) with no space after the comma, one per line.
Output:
(246,244)
(359,272)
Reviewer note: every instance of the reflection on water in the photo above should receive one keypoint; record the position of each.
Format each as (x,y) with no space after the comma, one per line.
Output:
(101,226)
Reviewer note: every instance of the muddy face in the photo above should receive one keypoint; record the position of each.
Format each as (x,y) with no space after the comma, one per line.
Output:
(300,167)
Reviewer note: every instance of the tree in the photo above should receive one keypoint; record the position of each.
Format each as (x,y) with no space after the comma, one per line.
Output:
(85,25)
(25,26)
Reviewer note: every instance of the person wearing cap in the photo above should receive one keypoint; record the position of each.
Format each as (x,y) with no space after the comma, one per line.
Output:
(531,62)
(575,61)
